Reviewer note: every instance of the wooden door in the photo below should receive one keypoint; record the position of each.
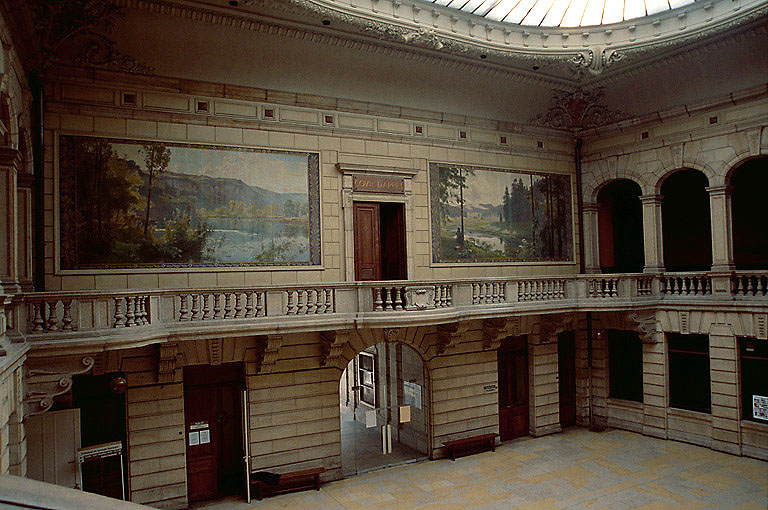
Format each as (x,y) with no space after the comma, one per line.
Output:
(213,432)
(53,439)
(367,241)
(513,389)
(566,359)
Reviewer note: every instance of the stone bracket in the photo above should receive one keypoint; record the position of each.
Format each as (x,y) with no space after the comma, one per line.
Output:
(270,348)
(645,323)
(166,362)
(44,385)
(332,344)
(448,335)
(493,332)
(551,325)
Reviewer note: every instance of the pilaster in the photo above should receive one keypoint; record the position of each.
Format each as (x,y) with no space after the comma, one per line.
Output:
(723,370)
(10,162)
(544,396)
(591,239)
(652,234)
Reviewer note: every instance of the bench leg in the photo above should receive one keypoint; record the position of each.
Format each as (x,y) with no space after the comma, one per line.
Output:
(317,482)
(493,445)
(258,491)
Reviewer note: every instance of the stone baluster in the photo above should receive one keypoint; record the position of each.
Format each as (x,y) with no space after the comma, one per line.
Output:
(311,301)
(249,304)
(52,323)
(398,298)
(141,311)
(216,306)
(130,312)
(387,299)
(290,307)
(239,305)
(329,301)
(183,308)
(195,308)
(117,321)
(228,310)
(481,293)
(377,301)
(260,304)
(300,304)
(206,307)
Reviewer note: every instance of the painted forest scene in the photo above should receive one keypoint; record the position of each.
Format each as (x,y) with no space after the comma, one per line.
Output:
(142,204)
(492,215)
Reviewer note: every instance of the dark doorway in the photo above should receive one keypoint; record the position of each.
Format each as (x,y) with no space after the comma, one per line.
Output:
(750,215)
(620,224)
(513,388)
(686,222)
(102,420)
(566,360)
(214,433)
(379,241)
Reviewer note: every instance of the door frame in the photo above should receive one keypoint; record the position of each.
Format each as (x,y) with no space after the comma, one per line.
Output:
(349,197)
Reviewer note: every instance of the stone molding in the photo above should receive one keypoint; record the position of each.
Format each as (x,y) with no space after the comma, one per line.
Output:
(448,335)
(43,385)
(332,346)
(269,348)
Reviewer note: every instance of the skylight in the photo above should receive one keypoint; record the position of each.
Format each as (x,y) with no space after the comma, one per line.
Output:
(562,13)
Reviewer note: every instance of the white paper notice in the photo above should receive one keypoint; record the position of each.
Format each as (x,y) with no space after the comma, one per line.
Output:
(205,436)
(370,419)
(194,438)
(405,414)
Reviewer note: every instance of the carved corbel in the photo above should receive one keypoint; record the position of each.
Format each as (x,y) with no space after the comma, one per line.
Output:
(270,347)
(44,385)
(646,325)
(448,335)
(493,332)
(214,350)
(332,344)
(166,362)
(551,325)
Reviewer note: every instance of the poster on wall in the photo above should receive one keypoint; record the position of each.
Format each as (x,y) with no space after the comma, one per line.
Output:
(484,214)
(412,394)
(138,204)
(760,407)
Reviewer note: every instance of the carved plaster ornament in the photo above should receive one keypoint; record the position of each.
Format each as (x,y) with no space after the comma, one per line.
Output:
(578,110)
(332,344)
(166,361)
(448,335)
(493,331)
(269,347)
(45,385)
(62,24)
(645,324)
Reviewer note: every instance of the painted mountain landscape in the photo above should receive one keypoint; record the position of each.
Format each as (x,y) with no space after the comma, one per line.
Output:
(487,214)
(139,204)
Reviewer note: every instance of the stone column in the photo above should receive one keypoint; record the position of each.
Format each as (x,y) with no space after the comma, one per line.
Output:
(652,234)
(654,386)
(10,162)
(723,372)
(722,235)
(591,239)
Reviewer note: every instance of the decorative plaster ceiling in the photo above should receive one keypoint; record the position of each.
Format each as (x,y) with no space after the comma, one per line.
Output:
(563,13)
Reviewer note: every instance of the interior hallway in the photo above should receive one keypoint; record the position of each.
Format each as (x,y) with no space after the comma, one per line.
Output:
(578,469)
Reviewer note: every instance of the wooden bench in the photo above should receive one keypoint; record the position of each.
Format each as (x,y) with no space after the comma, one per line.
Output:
(289,482)
(476,444)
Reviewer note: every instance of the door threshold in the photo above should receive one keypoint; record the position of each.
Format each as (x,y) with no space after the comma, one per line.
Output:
(394,464)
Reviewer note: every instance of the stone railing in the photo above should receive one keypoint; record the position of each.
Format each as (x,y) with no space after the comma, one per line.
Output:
(44,316)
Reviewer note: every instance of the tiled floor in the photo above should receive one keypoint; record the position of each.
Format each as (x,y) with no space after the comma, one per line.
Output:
(577,469)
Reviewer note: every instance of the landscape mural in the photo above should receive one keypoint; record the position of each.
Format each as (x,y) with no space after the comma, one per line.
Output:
(129,203)
(490,215)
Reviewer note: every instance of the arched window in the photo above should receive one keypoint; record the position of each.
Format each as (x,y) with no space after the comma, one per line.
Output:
(620,223)
(749,215)
(686,222)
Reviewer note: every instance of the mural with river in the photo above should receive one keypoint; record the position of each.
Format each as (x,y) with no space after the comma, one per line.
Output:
(126,204)
(484,214)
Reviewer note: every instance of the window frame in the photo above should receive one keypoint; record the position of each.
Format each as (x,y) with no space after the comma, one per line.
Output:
(685,357)
(626,389)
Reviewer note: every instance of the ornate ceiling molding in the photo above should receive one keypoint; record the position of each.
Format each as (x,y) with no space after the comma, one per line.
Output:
(60,25)
(578,110)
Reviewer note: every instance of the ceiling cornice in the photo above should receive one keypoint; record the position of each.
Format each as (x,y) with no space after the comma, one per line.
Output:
(368,43)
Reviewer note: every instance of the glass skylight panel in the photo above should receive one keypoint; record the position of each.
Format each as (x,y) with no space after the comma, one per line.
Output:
(593,14)
(574,14)
(555,15)
(634,9)
(563,13)
(537,13)
(520,11)
(654,6)
(613,12)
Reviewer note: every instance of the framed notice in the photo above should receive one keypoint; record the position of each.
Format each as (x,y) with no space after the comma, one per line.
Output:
(760,407)
(412,394)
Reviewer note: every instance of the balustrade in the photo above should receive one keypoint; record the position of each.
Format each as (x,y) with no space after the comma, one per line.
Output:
(488,293)
(389,299)
(309,301)
(746,284)
(224,304)
(540,290)
(603,287)
(686,285)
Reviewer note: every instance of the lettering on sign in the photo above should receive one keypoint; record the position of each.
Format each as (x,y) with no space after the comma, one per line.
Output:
(490,388)
(375,184)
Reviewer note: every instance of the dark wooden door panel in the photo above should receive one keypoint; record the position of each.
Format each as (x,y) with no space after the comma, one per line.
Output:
(201,458)
(367,241)
(566,357)
(513,390)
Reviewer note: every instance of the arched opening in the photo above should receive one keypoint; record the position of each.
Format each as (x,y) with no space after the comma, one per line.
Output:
(620,224)
(749,214)
(384,408)
(685,222)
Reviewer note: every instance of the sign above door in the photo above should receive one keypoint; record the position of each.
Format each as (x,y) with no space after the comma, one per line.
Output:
(378,184)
